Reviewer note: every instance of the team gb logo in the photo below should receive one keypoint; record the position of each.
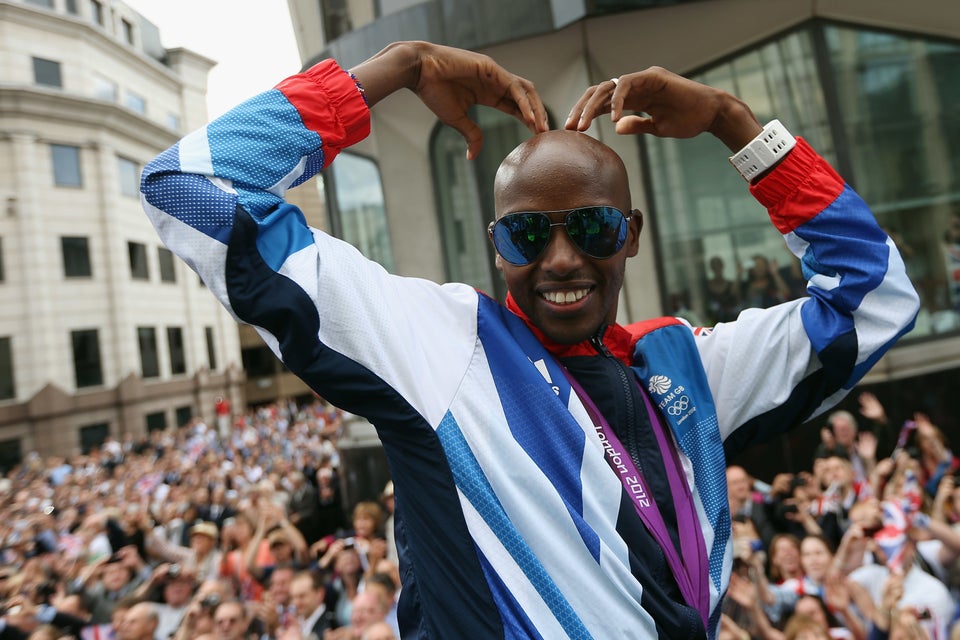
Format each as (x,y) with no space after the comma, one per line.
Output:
(659,384)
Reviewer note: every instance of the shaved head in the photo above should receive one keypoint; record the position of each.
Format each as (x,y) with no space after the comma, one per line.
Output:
(536,167)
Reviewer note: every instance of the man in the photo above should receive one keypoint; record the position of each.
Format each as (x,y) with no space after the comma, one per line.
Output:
(742,503)
(520,512)
(230,621)
(842,436)
(138,623)
(307,595)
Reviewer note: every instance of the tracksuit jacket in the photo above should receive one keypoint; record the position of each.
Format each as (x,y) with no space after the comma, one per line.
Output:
(510,522)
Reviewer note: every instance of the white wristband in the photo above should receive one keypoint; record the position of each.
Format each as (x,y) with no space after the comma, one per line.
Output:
(764,151)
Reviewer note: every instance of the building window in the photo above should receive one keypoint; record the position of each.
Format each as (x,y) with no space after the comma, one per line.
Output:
(86,358)
(92,436)
(259,362)
(881,108)
(356,206)
(96,8)
(76,257)
(211,348)
(7,387)
(104,89)
(11,454)
(149,360)
(48,4)
(129,177)
(173,121)
(66,165)
(127,27)
(3,274)
(136,102)
(156,421)
(178,359)
(47,73)
(72,7)
(465,196)
(168,272)
(184,415)
(138,261)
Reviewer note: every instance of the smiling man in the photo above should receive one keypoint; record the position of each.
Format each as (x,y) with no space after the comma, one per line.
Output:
(556,474)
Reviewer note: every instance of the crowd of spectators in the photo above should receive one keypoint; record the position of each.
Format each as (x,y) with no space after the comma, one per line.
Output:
(190,535)
(865,544)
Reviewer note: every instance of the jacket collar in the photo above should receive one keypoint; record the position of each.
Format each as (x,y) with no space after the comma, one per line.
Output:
(618,341)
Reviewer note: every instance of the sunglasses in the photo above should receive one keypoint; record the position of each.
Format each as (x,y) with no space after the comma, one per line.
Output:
(520,238)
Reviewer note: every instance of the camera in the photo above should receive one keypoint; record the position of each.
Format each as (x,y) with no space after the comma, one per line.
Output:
(348,543)
(174,571)
(210,601)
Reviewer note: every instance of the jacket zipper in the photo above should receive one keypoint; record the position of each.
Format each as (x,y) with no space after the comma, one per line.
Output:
(629,437)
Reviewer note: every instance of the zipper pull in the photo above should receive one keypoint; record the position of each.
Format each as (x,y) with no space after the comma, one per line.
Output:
(597,342)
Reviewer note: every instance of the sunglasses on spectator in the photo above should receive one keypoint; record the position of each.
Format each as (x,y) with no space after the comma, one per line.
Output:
(520,238)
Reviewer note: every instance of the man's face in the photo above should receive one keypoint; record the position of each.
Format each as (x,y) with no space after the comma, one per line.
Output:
(738,483)
(230,621)
(844,431)
(115,576)
(178,591)
(280,585)
(566,293)
(304,598)
(137,624)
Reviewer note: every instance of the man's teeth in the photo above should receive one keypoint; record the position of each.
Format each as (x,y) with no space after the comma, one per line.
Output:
(564,297)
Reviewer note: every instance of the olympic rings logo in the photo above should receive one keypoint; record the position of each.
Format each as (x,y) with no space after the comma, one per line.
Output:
(679,406)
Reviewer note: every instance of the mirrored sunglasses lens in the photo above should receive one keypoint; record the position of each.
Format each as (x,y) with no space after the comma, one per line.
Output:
(598,231)
(521,237)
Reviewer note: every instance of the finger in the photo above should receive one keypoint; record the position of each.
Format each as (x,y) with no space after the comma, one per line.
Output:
(576,113)
(635,125)
(530,107)
(598,104)
(471,133)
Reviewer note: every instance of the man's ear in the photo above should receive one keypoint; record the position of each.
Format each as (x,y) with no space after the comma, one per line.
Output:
(498,262)
(633,232)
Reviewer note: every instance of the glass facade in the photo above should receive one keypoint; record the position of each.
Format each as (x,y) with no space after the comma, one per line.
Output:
(465,196)
(881,108)
(359,216)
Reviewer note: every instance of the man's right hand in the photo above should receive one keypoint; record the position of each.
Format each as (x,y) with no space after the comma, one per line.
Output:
(449,81)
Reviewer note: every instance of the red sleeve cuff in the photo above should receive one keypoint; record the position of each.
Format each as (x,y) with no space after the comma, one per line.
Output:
(330,103)
(798,188)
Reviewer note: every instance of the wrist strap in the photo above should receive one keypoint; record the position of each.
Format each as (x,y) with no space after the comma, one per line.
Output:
(764,151)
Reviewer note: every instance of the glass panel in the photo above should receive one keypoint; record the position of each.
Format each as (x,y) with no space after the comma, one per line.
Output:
(136,103)
(127,28)
(465,196)
(72,8)
(7,386)
(149,362)
(66,165)
(93,436)
(183,415)
(11,454)
(211,348)
(129,177)
(47,73)
(359,205)
(96,8)
(898,99)
(104,88)
(178,359)
(76,257)
(138,261)
(86,358)
(720,253)
(156,421)
(168,272)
